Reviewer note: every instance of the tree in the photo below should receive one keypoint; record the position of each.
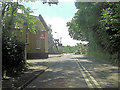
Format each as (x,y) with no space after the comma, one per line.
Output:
(98,23)
(13,19)
(74,30)
(110,23)
(69,49)
(13,49)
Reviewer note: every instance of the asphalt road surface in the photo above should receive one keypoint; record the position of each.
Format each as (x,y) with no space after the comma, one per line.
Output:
(75,71)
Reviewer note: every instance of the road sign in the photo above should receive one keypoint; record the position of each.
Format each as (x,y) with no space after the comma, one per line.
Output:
(42,36)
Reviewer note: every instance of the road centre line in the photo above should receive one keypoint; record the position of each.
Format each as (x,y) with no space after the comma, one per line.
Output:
(85,77)
(92,78)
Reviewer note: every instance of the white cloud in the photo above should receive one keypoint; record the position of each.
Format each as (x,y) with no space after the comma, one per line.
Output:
(59,26)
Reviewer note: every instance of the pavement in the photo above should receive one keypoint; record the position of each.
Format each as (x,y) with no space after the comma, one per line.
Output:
(22,80)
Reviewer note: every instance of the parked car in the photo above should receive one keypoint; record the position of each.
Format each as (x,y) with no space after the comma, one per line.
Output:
(77,52)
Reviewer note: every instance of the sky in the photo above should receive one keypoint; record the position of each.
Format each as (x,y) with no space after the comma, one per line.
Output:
(57,16)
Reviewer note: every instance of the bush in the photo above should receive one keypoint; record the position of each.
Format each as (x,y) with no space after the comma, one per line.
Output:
(12,54)
(115,59)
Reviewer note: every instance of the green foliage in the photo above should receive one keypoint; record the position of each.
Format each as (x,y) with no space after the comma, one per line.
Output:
(100,55)
(13,19)
(110,23)
(74,30)
(69,49)
(83,48)
(99,24)
(12,54)
(12,48)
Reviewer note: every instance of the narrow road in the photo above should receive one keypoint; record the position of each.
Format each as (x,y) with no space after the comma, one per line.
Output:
(76,71)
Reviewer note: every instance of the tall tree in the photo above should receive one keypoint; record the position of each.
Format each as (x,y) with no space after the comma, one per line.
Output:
(98,23)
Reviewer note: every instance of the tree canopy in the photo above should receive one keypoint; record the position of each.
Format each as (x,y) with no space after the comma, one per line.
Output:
(13,19)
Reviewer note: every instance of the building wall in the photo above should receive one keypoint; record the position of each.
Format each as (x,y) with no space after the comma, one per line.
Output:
(37,46)
(33,51)
(46,42)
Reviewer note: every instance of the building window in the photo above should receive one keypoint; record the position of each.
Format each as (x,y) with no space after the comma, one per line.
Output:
(37,44)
